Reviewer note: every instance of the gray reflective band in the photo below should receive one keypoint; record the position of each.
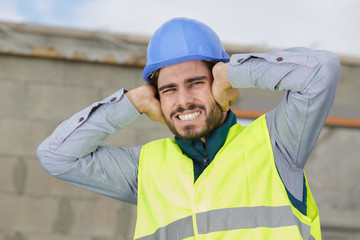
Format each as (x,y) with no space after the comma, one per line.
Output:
(231,219)
(249,217)
(304,229)
(179,229)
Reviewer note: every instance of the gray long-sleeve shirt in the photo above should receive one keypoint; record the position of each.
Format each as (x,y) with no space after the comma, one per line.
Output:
(73,152)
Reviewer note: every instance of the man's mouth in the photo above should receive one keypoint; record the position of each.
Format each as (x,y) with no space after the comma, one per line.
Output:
(190,116)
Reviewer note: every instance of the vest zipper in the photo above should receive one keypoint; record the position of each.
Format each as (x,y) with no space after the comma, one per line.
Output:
(206,161)
(204,158)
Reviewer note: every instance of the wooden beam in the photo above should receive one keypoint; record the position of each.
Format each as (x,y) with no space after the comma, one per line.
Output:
(331,121)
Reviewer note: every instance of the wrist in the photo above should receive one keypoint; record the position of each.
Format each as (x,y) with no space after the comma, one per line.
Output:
(220,74)
(143,98)
(136,97)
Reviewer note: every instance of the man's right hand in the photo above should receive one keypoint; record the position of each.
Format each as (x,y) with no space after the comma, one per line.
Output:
(145,101)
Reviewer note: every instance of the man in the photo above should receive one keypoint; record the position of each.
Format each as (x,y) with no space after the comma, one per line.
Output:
(216,179)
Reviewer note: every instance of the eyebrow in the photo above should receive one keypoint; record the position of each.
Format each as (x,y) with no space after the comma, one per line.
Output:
(189,80)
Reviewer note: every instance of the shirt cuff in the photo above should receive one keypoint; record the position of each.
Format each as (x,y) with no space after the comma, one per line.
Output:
(238,71)
(120,109)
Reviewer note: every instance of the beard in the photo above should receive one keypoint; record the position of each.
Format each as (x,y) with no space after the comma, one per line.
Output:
(191,132)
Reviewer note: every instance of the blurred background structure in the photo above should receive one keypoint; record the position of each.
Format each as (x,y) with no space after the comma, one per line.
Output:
(47,74)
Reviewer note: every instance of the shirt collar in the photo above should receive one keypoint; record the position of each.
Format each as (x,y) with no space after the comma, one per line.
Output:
(214,141)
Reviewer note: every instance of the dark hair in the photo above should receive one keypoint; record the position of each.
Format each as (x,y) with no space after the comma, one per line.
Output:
(155,75)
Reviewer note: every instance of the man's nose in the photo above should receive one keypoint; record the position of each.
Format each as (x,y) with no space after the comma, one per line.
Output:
(184,98)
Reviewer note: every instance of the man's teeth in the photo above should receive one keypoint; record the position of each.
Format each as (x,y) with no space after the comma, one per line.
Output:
(191,116)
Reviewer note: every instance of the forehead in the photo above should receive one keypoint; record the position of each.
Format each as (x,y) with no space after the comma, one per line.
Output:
(183,71)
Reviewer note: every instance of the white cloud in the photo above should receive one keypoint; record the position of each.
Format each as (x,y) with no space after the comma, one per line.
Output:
(9,13)
(43,6)
(328,24)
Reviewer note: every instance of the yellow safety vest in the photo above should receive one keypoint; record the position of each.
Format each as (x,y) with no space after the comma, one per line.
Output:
(238,196)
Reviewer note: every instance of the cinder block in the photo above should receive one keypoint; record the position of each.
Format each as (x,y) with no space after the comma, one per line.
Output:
(140,81)
(148,130)
(324,155)
(125,138)
(326,199)
(20,137)
(23,213)
(100,76)
(13,99)
(144,122)
(333,168)
(337,235)
(347,100)
(340,219)
(357,235)
(8,165)
(31,70)
(108,92)
(32,236)
(95,218)
(11,235)
(145,136)
(58,103)
(141,131)
(126,222)
(347,92)
(258,99)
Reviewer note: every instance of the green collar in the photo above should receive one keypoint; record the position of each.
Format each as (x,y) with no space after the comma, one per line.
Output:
(202,156)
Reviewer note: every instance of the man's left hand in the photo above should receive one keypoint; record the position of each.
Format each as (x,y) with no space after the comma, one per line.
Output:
(225,95)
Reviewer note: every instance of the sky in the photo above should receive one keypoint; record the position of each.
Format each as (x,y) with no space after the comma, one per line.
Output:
(319,24)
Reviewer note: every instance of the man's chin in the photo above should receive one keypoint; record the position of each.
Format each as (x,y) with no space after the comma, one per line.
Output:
(189,133)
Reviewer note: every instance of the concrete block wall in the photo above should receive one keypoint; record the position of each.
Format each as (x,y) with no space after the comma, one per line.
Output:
(39,92)
(36,95)
(333,173)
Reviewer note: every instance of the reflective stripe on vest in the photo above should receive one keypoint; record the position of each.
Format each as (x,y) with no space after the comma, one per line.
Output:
(239,195)
(180,229)
(242,218)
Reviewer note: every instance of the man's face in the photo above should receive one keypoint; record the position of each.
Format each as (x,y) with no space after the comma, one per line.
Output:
(187,103)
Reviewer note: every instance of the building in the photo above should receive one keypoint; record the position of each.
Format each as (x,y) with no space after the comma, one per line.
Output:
(48,74)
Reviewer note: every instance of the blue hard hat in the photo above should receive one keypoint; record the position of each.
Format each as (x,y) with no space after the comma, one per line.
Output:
(180,40)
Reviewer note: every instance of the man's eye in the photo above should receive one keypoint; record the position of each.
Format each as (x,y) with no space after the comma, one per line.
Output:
(196,83)
(169,90)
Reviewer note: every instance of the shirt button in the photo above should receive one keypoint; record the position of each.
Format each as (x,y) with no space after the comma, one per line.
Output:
(113,99)
(81,119)
(279,59)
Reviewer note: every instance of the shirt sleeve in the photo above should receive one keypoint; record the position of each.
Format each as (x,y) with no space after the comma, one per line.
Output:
(310,79)
(73,153)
